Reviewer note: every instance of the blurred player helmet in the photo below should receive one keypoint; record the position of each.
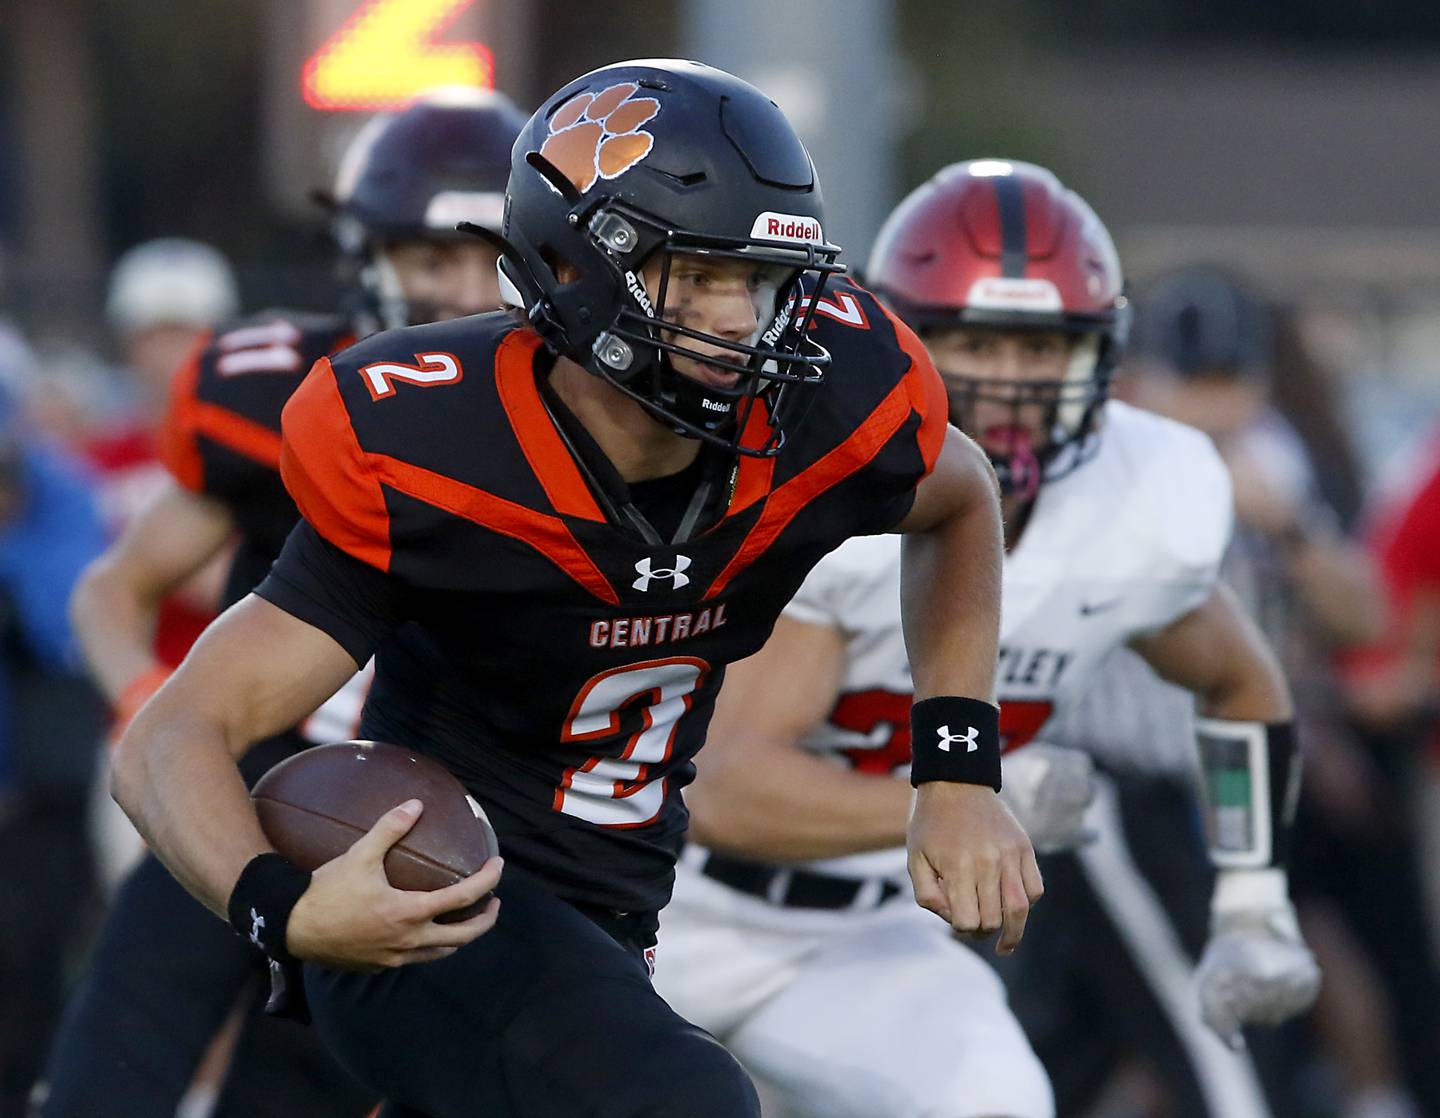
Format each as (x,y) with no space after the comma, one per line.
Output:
(644,160)
(415,175)
(1203,320)
(1002,244)
(170,282)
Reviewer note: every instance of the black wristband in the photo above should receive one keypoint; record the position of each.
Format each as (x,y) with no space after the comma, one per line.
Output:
(955,739)
(260,904)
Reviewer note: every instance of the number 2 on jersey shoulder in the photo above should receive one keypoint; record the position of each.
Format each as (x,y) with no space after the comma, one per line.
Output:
(430,370)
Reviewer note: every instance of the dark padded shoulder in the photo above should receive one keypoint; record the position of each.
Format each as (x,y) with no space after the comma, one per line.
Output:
(867,363)
(427,397)
(251,366)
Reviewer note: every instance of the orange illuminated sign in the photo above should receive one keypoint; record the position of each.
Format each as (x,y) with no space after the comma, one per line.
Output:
(387,54)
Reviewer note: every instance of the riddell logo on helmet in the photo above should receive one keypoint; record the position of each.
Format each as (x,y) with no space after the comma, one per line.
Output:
(998,293)
(596,136)
(637,289)
(771,226)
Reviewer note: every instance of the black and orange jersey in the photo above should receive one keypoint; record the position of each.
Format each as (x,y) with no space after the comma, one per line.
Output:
(564,668)
(221,432)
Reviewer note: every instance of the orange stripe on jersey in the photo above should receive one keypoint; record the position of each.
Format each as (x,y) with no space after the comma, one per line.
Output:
(546,534)
(753,475)
(787,501)
(550,461)
(234,432)
(177,449)
(328,474)
(927,392)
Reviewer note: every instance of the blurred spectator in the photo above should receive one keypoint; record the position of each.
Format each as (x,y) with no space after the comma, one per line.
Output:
(1211,353)
(50,720)
(1394,687)
(164,298)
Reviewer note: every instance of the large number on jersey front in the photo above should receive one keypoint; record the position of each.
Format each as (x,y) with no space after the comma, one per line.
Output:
(619,791)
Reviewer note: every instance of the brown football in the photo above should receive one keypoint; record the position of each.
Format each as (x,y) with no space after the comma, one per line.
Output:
(314,805)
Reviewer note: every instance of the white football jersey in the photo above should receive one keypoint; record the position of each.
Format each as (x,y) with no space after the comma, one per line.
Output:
(1123,545)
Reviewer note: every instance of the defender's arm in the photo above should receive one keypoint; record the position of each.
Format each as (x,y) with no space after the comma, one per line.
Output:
(1216,652)
(1256,967)
(758,793)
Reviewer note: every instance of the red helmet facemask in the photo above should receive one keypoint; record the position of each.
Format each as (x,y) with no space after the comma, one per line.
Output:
(1000,244)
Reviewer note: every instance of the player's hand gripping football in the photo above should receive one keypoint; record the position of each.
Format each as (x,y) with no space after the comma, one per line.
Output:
(1049,787)
(1256,968)
(971,862)
(352,918)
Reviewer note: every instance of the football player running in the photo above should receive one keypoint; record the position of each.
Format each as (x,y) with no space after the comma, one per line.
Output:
(166,972)
(788,935)
(557,528)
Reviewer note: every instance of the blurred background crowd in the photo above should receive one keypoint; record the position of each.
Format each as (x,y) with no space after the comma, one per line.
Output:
(1267,171)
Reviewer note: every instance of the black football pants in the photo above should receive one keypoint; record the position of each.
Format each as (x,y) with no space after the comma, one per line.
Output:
(546,1016)
(165,975)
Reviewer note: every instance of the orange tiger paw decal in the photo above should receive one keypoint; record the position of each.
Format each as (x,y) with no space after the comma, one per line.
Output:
(597,135)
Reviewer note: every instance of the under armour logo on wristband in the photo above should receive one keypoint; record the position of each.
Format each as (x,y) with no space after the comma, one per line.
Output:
(256,923)
(968,737)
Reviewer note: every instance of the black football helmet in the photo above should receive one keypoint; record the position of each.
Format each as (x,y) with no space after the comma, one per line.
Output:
(641,161)
(416,175)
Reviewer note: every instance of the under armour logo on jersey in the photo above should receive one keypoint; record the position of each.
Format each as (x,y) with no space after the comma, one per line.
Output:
(256,923)
(947,739)
(648,573)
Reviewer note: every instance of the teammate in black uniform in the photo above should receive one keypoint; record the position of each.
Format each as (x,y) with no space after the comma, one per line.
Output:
(555,536)
(167,972)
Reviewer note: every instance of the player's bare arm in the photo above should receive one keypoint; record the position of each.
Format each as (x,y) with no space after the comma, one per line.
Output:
(1216,652)
(970,861)
(759,793)
(255,672)
(1256,967)
(114,605)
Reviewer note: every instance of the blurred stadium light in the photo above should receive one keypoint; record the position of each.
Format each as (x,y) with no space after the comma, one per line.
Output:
(389,51)
(329,61)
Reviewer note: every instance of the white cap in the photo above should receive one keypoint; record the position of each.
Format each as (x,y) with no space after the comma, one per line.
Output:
(171,281)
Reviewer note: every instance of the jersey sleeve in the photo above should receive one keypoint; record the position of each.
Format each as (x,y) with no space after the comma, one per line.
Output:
(1190,505)
(336,593)
(926,393)
(898,431)
(179,448)
(837,589)
(329,475)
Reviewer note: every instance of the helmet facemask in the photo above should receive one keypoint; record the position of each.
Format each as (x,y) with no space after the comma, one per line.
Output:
(1064,410)
(778,367)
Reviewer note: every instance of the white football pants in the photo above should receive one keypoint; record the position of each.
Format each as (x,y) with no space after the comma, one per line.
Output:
(845,1014)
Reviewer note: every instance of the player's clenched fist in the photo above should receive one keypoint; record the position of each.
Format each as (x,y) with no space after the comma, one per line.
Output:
(971,862)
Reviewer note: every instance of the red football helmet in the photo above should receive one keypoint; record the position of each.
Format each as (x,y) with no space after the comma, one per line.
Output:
(1002,244)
